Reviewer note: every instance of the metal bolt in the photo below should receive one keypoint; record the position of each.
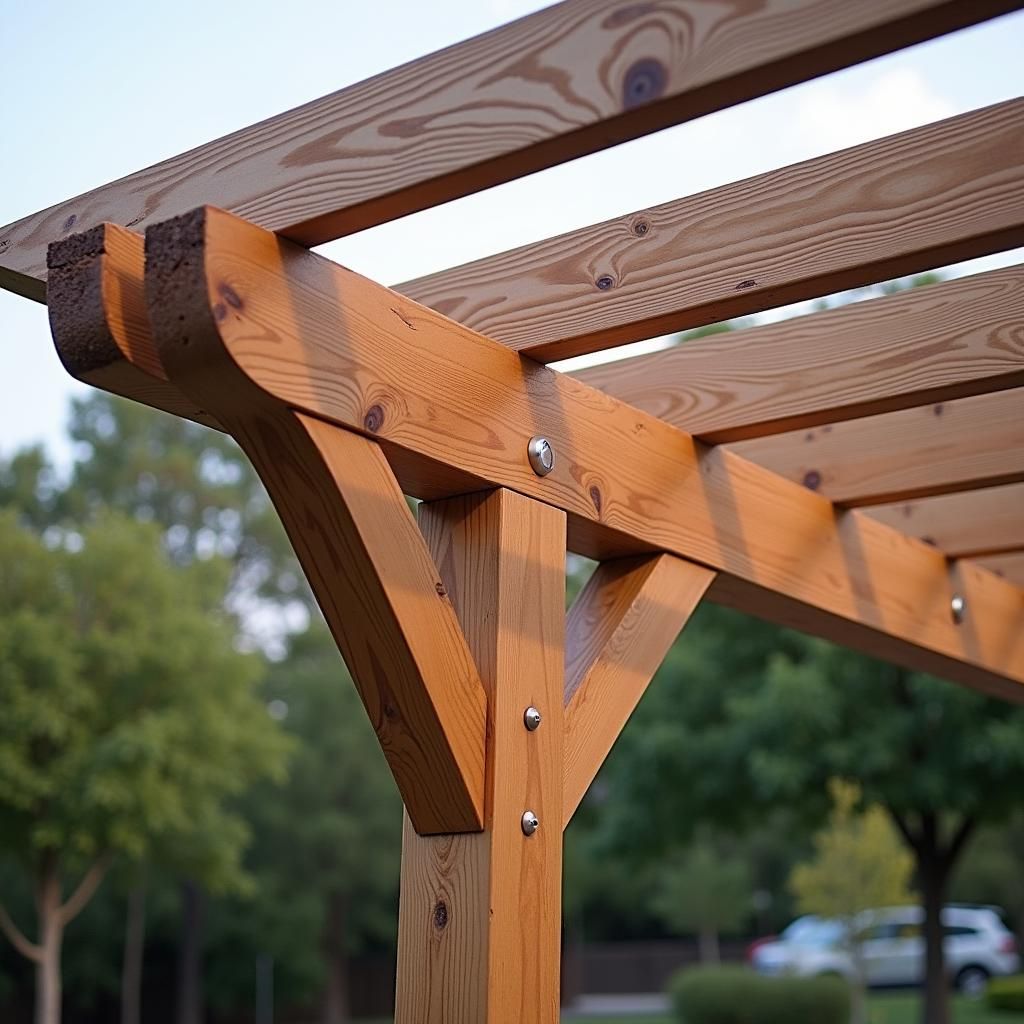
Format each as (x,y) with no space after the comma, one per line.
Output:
(531,718)
(958,606)
(541,454)
(530,823)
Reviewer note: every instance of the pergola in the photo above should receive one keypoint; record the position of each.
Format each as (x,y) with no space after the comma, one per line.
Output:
(857,473)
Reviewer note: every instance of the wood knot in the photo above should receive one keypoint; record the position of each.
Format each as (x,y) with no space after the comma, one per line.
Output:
(644,82)
(374,419)
(812,479)
(743,285)
(69,223)
(441,592)
(230,296)
(641,227)
(937,409)
(440,915)
(604,282)
(595,497)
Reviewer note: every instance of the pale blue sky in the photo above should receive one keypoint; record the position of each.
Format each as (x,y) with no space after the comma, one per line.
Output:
(91,91)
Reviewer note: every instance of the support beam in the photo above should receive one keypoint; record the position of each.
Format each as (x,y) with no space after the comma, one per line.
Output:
(970,523)
(618,632)
(569,80)
(453,412)
(924,198)
(935,449)
(927,345)
(480,915)
(1009,565)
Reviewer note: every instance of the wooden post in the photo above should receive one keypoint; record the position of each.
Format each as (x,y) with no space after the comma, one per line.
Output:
(480,914)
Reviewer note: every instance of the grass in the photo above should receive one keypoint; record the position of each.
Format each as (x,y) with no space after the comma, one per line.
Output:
(902,1008)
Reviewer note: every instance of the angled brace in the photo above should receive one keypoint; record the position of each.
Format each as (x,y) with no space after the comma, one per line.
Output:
(341,505)
(618,632)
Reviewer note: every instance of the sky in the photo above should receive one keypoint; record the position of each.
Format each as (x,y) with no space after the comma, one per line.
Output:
(95,90)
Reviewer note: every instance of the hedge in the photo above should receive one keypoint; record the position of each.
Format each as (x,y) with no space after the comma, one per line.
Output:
(1006,993)
(734,995)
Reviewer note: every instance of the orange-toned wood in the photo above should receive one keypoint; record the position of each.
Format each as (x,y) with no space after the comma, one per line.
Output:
(369,568)
(931,344)
(572,79)
(934,449)
(1009,565)
(480,915)
(100,324)
(618,631)
(453,410)
(921,199)
(990,519)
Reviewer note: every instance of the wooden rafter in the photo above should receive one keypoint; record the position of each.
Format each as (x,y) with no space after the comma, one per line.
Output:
(569,80)
(934,449)
(619,630)
(453,411)
(934,195)
(1009,564)
(931,344)
(990,519)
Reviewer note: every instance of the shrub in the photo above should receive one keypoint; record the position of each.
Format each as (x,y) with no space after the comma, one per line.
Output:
(734,995)
(1006,993)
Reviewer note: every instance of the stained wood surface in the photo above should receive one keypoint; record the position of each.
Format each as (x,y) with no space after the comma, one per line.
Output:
(366,561)
(100,324)
(931,344)
(949,446)
(480,915)
(1009,565)
(931,196)
(990,519)
(618,631)
(572,79)
(453,411)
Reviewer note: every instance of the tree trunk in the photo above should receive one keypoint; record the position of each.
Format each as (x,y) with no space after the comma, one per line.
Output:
(707,947)
(51,935)
(934,874)
(131,967)
(190,965)
(335,950)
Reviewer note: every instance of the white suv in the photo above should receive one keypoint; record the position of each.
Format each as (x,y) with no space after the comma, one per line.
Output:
(977,946)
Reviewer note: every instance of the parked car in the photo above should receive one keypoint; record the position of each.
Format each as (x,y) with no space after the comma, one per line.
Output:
(977,944)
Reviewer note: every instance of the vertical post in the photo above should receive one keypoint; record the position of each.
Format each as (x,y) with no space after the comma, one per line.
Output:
(480,913)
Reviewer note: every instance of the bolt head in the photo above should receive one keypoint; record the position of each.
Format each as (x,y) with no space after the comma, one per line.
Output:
(530,823)
(531,718)
(958,608)
(541,455)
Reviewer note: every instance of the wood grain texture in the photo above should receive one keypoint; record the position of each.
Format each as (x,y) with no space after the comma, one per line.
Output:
(454,410)
(480,915)
(367,563)
(572,79)
(1009,565)
(931,196)
(928,345)
(989,519)
(618,632)
(934,449)
(100,324)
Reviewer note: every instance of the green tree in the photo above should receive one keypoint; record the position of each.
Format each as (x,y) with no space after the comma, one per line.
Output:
(859,863)
(129,718)
(706,890)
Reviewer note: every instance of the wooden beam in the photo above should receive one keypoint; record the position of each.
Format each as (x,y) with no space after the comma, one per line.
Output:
(569,80)
(1009,565)
(453,411)
(924,198)
(480,915)
(927,345)
(618,632)
(990,519)
(935,449)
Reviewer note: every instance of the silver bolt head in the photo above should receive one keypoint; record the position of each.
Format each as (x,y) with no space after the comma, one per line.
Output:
(530,823)
(541,455)
(531,718)
(958,607)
